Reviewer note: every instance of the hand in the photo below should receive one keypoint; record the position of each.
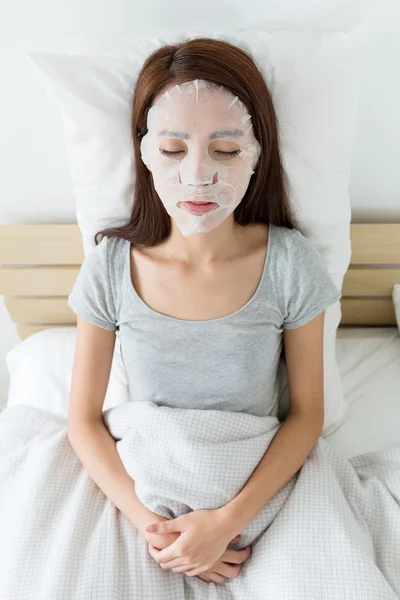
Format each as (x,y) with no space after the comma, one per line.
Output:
(224,569)
(158,541)
(204,537)
(163,541)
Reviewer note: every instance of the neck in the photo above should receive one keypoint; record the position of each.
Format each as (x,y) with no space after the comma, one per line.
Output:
(219,243)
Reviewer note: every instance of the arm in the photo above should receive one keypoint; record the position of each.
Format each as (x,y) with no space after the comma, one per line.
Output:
(90,438)
(297,435)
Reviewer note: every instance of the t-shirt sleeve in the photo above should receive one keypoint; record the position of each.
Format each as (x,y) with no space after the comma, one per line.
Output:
(309,289)
(91,296)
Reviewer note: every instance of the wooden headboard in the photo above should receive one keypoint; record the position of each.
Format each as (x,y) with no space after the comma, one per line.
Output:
(39,265)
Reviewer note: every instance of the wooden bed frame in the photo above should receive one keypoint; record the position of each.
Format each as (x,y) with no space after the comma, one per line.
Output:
(39,265)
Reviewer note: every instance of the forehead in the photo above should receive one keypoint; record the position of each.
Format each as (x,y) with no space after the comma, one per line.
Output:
(187,107)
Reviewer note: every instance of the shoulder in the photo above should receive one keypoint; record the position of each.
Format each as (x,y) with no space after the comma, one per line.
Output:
(92,295)
(292,247)
(117,252)
(297,263)
(95,263)
(292,239)
(104,261)
(109,250)
(95,260)
(99,252)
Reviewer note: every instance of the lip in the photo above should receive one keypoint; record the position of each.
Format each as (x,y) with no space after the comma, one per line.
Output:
(197,207)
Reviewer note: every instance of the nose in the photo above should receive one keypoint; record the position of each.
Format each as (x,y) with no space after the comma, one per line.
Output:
(197,172)
(201,180)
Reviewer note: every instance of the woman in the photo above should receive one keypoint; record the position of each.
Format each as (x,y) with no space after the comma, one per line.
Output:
(219,282)
(205,286)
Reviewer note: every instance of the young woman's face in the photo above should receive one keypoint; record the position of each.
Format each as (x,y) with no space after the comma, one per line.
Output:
(201,151)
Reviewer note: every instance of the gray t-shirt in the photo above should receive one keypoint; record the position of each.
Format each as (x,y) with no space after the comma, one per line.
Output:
(228,363)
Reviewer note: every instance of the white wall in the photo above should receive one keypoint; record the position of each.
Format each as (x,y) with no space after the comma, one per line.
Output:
(35,185)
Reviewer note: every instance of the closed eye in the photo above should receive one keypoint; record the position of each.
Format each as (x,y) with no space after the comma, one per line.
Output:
(227,154)
(219,152)
(169,153)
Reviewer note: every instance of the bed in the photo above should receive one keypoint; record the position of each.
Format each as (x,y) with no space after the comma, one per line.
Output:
(333,531)
(39,264)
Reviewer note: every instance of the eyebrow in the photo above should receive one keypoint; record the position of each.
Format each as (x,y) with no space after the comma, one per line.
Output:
(216,134)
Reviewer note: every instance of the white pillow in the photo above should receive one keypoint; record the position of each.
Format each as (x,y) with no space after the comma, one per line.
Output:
(396,302)
(40,370)
(314,81)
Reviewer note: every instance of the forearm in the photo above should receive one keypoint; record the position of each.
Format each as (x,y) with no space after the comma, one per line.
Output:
(97,451)
(285,455)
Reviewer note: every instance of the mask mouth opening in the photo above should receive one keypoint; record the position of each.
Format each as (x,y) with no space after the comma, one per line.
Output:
(197,208)
(200,203)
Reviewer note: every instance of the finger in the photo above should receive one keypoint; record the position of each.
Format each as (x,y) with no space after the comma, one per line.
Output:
(204,578)
(213,577)
(172,564)
(153,550)
(169,553)
(193,572)
(182,569)
(237,556)
(227,570)
(167,526)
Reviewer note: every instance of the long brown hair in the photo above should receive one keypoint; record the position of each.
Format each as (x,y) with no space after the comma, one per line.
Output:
(266,199)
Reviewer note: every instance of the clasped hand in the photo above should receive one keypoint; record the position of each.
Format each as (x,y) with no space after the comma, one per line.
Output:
(204,537)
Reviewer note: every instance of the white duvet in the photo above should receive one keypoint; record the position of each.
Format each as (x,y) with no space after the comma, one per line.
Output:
(332,532)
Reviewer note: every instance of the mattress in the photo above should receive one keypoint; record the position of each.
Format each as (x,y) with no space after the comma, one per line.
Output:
(369,362)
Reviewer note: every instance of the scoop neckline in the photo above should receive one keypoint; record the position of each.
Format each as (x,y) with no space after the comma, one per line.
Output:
(156,314)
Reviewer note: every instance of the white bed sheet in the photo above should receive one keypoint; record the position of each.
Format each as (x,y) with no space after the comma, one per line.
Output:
(369,362)
(322,538)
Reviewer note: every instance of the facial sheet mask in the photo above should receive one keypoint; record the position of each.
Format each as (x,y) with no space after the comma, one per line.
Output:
(200,148)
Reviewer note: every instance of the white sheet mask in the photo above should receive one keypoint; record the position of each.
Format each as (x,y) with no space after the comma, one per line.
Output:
(200,147)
